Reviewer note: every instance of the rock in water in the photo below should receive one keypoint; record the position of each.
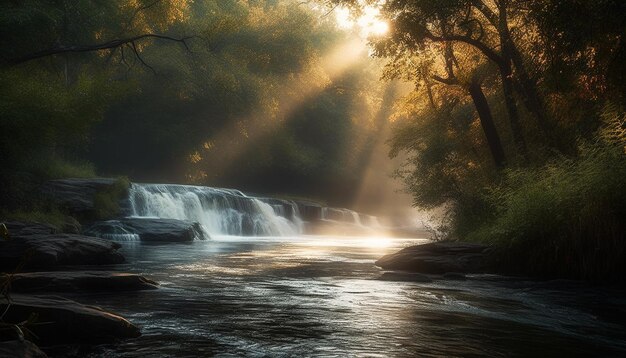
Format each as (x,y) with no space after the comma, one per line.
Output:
(37,246)
(59,320)
(20,349)
(440,258)
(81,281)
(23,228)
(149,229)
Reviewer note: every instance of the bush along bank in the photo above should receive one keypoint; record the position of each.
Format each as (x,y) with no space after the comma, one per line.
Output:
(564,219)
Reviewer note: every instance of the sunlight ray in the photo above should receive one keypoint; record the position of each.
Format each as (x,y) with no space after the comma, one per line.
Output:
(228,144)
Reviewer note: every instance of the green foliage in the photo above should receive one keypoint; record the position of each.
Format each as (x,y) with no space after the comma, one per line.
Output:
(447,161)
(41,126)
(552,83)
(107,201)
(48,215)
(613,129)
(142,109)
(562,219)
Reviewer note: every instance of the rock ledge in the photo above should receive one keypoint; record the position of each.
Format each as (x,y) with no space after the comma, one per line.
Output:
(440,258)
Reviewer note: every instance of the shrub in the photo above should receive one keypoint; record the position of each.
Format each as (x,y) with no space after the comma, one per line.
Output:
(51,216)
(107,202)
(564,219)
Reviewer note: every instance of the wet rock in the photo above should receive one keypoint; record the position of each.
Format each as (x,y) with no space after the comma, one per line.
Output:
(23,228)
(149,229)
(71,226)
(440,258)
(77,195)
(35,245)
(81,281)
(20,349)
(60,320)
(405,277)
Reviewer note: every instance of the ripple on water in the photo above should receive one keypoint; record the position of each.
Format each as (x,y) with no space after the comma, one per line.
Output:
(321,297)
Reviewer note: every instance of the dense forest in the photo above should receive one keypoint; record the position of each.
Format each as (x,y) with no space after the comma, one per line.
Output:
(251,95)
(515,126)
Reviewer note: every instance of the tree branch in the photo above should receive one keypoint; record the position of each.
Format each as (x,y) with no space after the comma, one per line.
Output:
(486,11)
(486,50)
(130,21)
(447,81)
(132,44)
(91,48)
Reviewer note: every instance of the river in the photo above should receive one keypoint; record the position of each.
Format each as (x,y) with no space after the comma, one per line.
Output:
(322,296)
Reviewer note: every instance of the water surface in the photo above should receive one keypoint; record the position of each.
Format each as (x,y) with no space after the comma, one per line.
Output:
(321,296)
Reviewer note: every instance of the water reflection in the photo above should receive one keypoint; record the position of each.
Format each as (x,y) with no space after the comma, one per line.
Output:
(321,296)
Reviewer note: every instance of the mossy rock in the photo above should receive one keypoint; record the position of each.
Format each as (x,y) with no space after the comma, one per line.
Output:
(88,199)
(106,201)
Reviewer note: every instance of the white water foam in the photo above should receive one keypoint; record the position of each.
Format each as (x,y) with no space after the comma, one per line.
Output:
(219,211)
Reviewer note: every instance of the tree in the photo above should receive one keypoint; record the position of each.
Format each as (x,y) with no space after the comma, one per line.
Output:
(40,29)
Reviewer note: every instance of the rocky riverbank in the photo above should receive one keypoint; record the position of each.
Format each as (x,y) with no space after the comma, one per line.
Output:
(452,259)
(31,255)
(38,259)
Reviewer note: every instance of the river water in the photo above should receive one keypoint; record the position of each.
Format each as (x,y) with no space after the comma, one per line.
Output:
(323,296)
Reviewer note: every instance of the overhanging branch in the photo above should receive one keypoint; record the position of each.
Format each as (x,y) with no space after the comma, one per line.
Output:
(486,50)
(97,47)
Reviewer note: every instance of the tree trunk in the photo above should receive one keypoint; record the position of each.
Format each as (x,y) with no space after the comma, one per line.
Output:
(511,107)
(526,87)
(506,73)
(486,122)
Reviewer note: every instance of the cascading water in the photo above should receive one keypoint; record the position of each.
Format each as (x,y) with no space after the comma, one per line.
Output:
(112,230)
(342,215)
(219,211)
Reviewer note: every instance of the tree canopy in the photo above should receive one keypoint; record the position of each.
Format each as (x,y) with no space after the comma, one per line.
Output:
(224,93)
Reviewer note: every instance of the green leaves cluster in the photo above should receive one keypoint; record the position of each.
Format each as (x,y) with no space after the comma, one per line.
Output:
(82,89)
(553,76)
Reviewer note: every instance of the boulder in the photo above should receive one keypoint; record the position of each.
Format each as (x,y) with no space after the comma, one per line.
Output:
(149,229)
(81,281)
(24,228)
(20,349)
(76,194)
(59,320)
(35,245)
(440,258)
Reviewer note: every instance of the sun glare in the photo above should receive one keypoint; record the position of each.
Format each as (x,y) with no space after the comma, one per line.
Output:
(369,23)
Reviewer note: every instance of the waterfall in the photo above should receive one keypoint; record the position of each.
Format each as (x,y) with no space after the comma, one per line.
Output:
(342,215)
(219,211)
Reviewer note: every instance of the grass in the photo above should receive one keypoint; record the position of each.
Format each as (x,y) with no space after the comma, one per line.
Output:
(51,216)
(107,202)
(564,219)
